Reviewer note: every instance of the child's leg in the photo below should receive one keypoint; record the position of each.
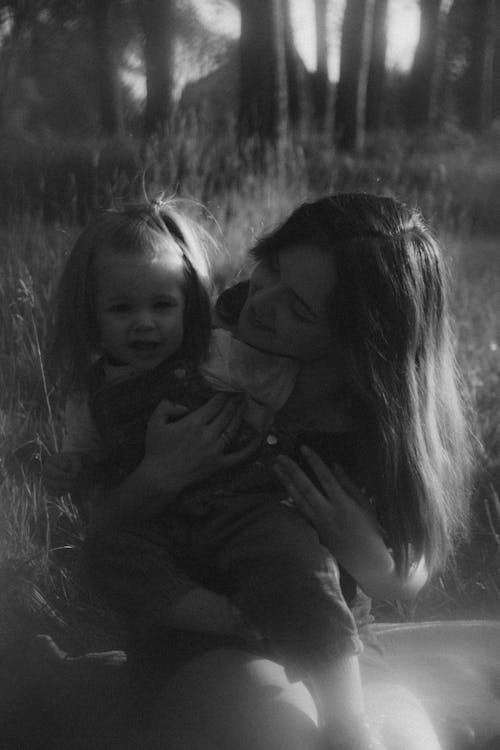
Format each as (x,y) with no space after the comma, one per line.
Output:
(136,575)
(141,579)
(287,585)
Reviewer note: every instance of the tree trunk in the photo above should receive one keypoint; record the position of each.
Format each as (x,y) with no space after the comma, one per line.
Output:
(106,69)
(375,98)
(158,18)
(478,99)
(350,103)
(263,91)
(12,54)
(496,67)
(294,71)
(321,83)
(427,66)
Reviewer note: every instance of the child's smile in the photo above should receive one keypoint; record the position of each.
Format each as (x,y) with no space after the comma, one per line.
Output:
(140,307)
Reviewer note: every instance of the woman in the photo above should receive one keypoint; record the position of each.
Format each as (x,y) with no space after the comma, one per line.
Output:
(352,287)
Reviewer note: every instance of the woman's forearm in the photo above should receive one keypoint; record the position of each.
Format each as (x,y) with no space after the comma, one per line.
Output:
(381,580)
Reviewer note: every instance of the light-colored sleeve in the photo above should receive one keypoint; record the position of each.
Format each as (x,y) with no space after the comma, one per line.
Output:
(233,365)
(80,431)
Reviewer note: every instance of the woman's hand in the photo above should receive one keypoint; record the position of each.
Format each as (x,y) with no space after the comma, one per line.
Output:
(177,454)
(183,452)
(347,525)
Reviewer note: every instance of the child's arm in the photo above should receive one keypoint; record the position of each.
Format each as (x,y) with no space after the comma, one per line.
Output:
(348,527)
(80,432)
(62,472)
(72,469)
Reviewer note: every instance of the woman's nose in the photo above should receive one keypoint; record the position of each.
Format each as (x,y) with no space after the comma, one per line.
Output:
(264,303)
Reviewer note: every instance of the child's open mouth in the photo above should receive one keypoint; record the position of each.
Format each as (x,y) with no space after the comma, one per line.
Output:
(144,346)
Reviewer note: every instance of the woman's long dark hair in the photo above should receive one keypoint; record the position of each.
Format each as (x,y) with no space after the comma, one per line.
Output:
(389,313)
(140,229)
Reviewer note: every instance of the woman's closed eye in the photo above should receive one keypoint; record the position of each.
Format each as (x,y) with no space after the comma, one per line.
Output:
(302,312)
(273,262)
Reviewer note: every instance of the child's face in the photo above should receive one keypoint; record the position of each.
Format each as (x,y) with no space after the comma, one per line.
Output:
(139,307)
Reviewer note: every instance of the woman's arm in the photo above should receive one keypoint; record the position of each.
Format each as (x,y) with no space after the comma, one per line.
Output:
(177,454)
(347,525)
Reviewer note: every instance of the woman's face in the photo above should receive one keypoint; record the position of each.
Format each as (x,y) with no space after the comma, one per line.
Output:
(286,311)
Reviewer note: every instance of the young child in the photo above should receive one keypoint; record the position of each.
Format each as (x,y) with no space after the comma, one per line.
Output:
(133,328)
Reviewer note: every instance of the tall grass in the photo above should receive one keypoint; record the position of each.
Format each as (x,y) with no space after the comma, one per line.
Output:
(455,184)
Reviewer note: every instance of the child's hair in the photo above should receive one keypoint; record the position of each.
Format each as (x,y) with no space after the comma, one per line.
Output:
(389,314)
(140,229)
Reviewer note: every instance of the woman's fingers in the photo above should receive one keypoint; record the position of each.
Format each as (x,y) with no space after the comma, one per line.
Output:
(303,499)
(212,409)
(242,454)
(329,483)
(167,410)
(297,483)
(351,488)
(229,417)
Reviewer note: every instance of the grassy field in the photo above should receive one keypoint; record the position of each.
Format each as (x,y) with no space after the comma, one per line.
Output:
(456,184)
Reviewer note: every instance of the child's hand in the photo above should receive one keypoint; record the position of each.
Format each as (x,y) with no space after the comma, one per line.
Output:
(61,472)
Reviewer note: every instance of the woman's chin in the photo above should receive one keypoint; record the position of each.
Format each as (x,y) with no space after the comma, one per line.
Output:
(256,337)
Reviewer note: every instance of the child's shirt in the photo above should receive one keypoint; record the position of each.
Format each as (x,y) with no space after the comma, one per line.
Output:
(266,379)
(111,421)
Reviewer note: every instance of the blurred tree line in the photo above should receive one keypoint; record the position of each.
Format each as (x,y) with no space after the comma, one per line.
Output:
(68,56)
(66,66)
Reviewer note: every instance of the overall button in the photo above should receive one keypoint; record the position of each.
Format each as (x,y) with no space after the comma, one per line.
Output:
(271,439)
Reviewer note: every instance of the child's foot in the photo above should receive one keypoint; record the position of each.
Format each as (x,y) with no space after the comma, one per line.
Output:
(46,648)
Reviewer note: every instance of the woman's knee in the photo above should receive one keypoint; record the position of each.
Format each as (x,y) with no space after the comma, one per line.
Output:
(400,717)
(236,699)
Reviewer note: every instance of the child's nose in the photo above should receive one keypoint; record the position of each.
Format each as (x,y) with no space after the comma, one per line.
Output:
(144,321)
